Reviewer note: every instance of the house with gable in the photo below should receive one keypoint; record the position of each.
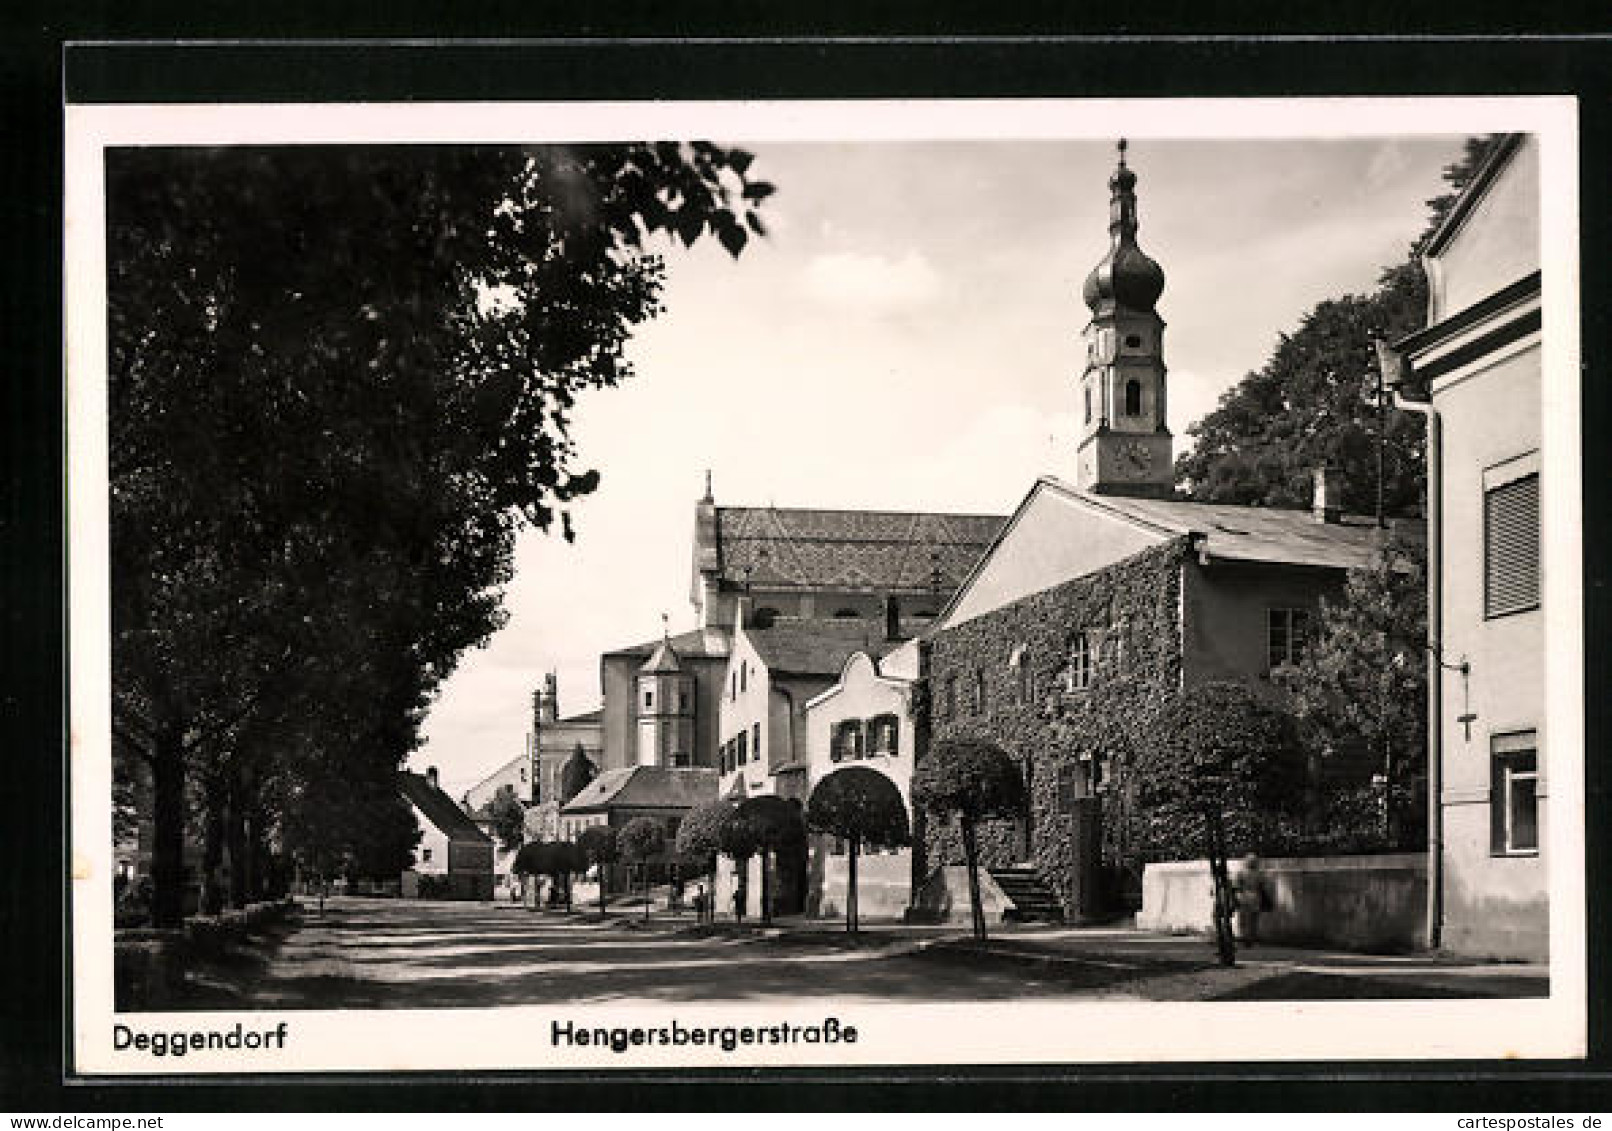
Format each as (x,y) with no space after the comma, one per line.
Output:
(1112,586)
(454,859)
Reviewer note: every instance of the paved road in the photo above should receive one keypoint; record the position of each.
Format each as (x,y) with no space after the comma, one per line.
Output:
(369,954)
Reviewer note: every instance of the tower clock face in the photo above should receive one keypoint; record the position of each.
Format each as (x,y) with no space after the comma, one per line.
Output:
(1136,458)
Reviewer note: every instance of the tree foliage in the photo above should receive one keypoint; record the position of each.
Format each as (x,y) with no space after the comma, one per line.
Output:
(699,835)
(1360,695)
(642,839)
(575,775)
(1313,402)
(600,847)
(974,781)
(340,380)
(508,817)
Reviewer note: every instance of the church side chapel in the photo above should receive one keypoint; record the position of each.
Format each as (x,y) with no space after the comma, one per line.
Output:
(1106,591)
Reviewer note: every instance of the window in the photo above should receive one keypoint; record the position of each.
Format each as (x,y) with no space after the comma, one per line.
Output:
(727,757)
(846,614)
(744,747)
(425,855)
(1082,662)
(1511,547)
(682,699)
(680,759)
(649,699)
(744,674)
(1088,404)
(755,739)
(845,744)
(1513,795)
(1133,398)
(1023,674)
(885,735)
(1114,646)
(979,691)
(1287,633)
(1133,341)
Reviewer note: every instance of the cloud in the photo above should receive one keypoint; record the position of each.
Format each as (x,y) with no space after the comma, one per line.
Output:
(872,283)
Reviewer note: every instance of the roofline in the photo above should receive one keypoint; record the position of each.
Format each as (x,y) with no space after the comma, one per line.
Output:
(1499,157)
(839,685)
(858,511)
(1051,483)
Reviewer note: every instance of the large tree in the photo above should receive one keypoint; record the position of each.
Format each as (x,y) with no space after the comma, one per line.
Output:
(1360,694)
(974,782)
(508,817)
(1314,401)
(340,380)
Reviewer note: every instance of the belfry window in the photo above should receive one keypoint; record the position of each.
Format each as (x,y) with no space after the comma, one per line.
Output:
(1133,397)
(1088,404)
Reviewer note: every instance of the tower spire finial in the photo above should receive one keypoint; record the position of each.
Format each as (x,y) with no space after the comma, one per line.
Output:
(666,628)
(708,496)
(1123,146)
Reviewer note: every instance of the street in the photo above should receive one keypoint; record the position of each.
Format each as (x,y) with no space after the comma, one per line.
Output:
(377,954)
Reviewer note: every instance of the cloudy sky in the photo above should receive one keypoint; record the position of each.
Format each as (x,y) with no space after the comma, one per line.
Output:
(907,339)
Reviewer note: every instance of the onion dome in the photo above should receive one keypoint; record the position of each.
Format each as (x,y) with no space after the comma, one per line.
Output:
(1126,278)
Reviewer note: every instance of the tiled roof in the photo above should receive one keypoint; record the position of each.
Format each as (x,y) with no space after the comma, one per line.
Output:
(1257,534)
(698,642)
(816,647)
(645,787)
(877,551)
(438,808)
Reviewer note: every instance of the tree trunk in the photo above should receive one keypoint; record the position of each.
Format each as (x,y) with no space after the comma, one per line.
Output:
(603,867)
(766,891)
(1225,943)
(971,857)
(214,831)
(850,894)
(235,842)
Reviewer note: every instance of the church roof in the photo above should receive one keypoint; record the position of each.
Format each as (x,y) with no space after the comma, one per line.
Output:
(875,551)
(816,647)
(1254,534)
(438,808)
(645,787)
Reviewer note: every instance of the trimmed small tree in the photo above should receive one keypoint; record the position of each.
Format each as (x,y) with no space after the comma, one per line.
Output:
(1220,766)
(973,781)
(600,847)
(643,839)
(528,863)
(863,807)
(740,838)
(779,827)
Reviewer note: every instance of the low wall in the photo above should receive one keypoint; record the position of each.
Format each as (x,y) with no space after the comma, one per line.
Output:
(883,885)
(1368,903)
(943,898)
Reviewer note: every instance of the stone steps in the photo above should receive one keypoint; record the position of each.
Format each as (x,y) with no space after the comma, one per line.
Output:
(1033,900)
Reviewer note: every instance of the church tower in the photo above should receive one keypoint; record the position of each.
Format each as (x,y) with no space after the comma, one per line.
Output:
(1125,444)
(665,710)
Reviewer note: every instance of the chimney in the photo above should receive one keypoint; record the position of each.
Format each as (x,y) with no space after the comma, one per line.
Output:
(431,776)
(1324,506)
(892,617)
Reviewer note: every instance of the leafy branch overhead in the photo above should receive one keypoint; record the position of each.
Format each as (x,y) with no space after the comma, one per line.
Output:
(341,379)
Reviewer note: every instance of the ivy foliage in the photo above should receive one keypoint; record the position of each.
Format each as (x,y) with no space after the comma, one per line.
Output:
(1216,753)
(972,781)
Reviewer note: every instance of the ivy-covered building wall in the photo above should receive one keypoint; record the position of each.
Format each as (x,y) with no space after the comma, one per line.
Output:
(1058,679)
(1042,678)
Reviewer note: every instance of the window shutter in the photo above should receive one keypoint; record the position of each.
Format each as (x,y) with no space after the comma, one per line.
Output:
(1511,558)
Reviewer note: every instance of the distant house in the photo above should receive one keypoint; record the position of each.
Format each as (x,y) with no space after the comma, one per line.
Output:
(616,797)
(1481,358)
(454,859)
